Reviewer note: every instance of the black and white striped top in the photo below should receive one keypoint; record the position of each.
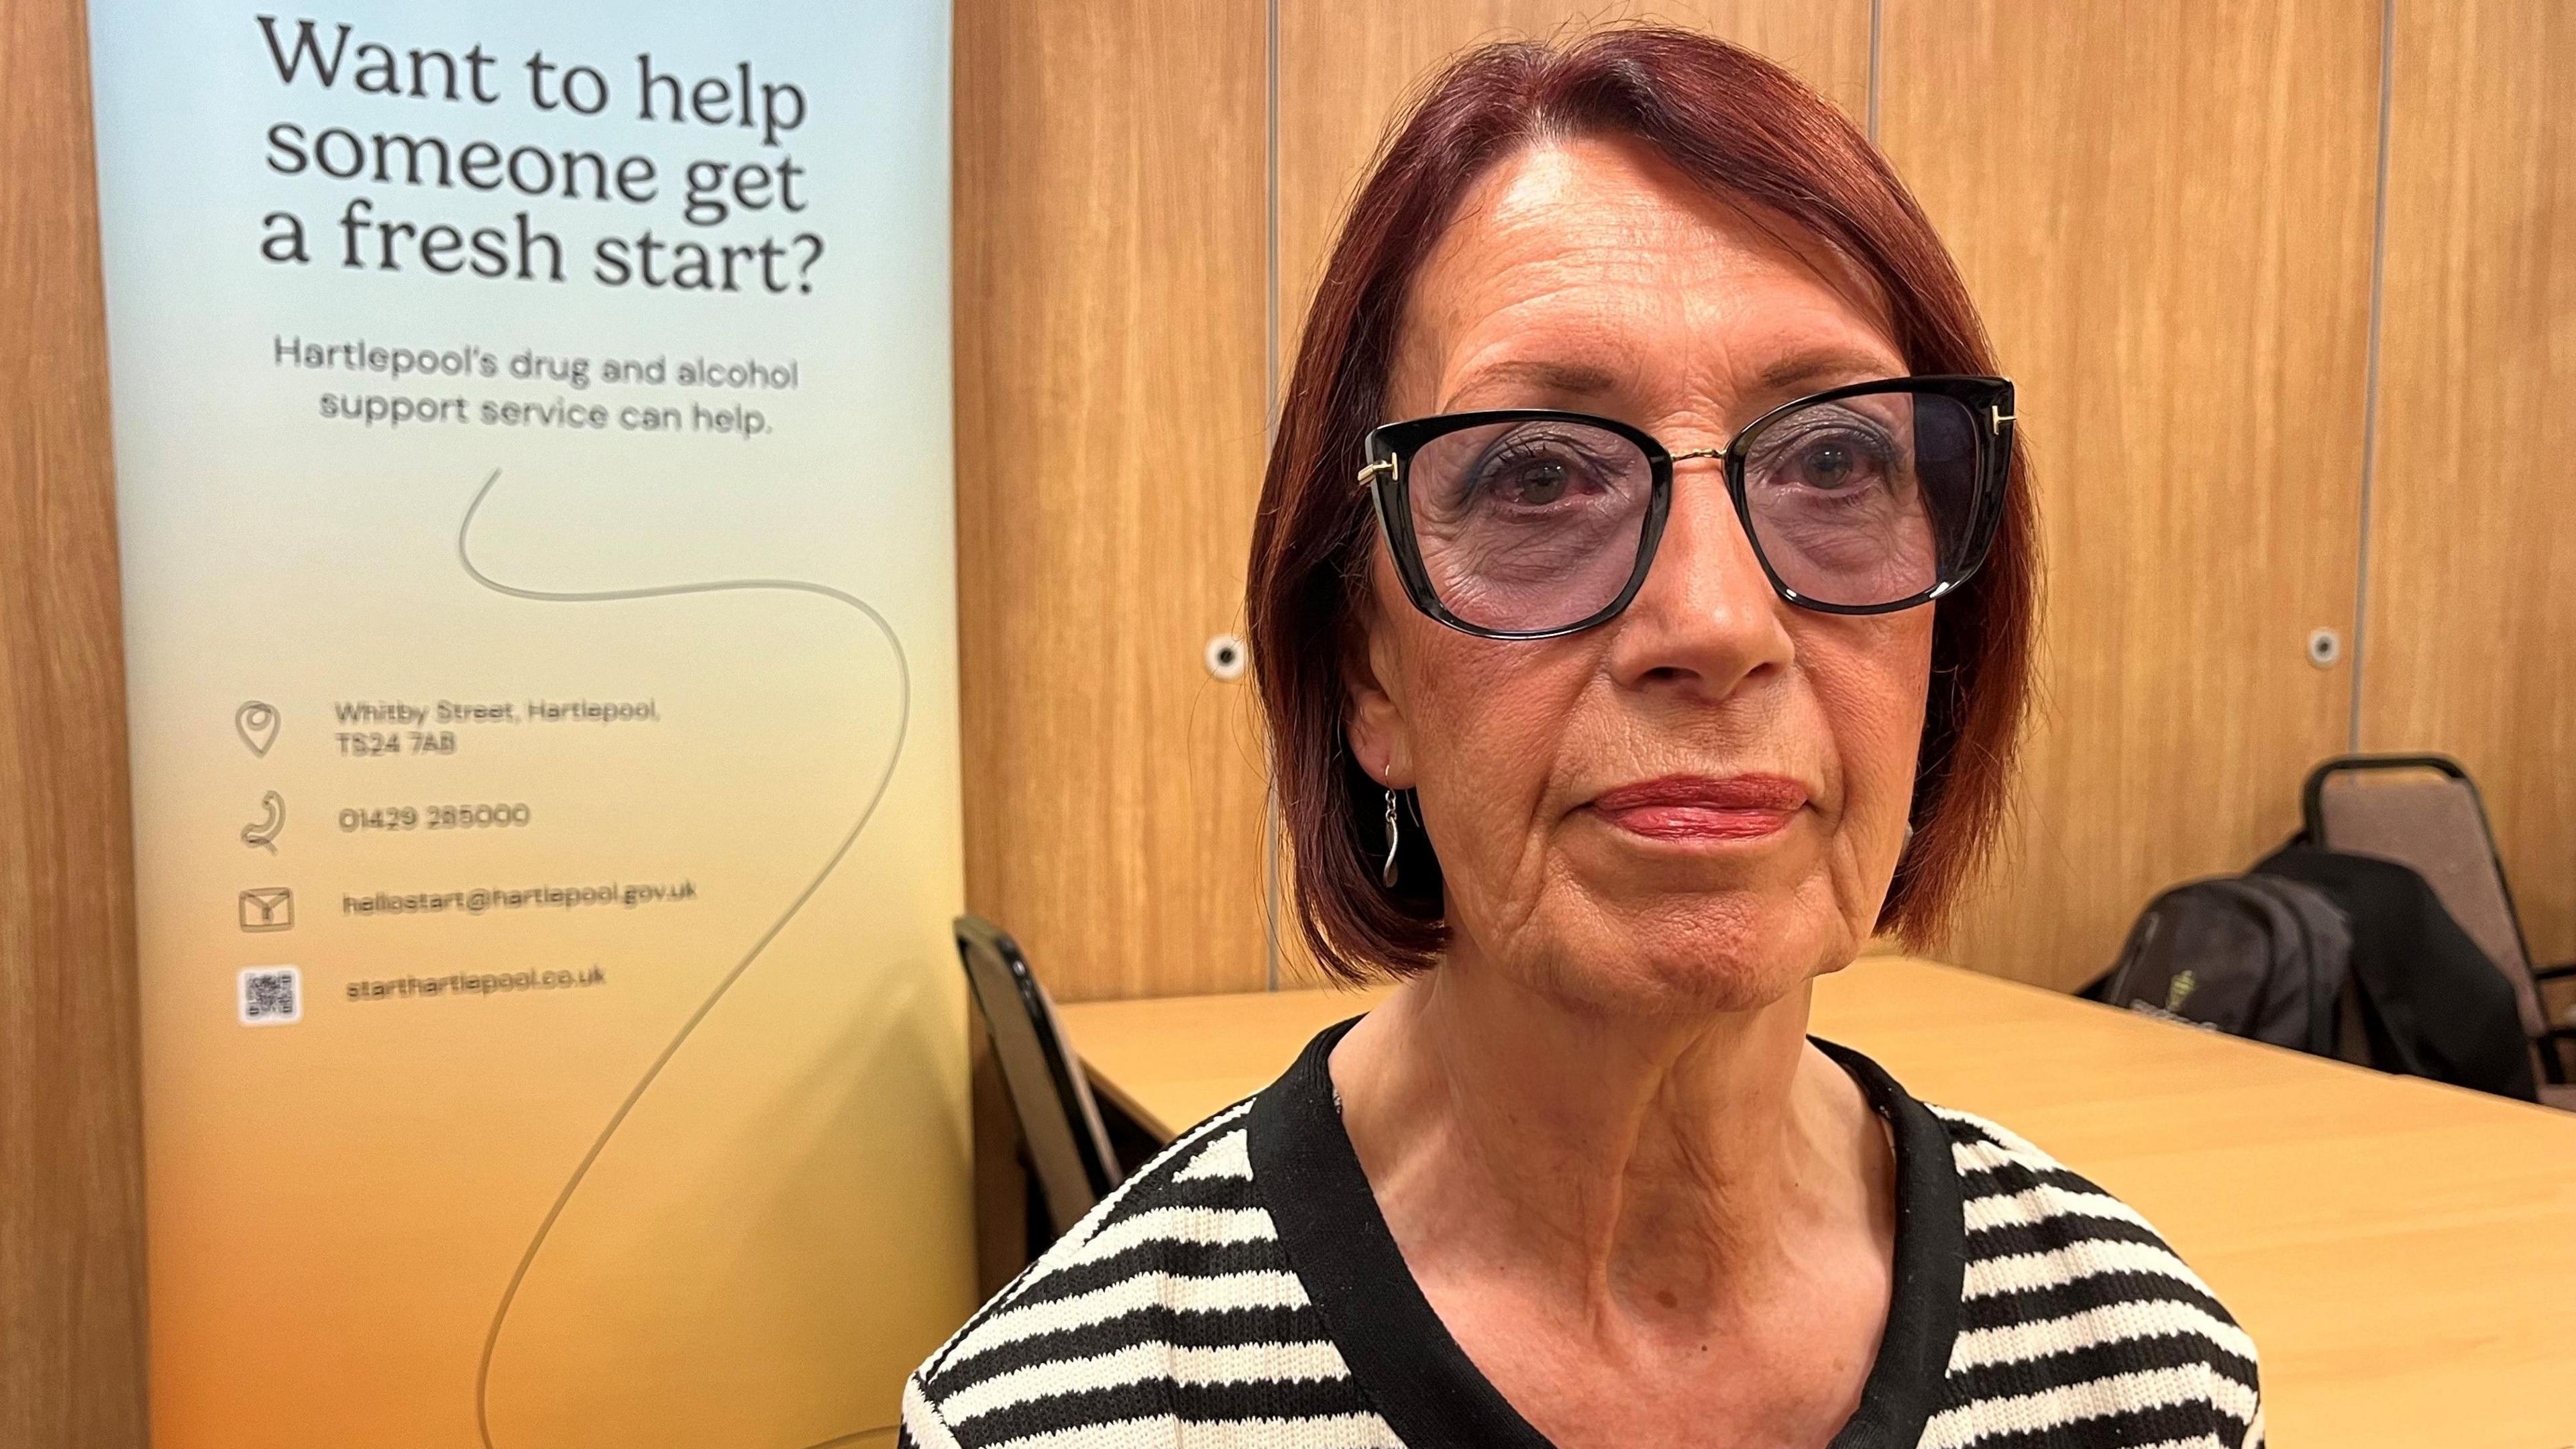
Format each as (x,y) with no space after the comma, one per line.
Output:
(1242,1292)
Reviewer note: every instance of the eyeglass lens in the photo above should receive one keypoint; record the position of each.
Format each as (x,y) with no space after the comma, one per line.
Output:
(1537,524)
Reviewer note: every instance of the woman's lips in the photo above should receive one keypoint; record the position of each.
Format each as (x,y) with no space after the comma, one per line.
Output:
(1698,807)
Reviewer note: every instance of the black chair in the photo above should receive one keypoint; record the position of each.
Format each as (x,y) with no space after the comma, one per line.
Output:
(1068,1146)
(2423,811)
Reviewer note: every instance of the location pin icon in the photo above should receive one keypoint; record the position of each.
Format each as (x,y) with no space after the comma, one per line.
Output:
(258,725)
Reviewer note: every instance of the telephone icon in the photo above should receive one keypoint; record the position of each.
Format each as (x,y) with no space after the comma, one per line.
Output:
(262,833)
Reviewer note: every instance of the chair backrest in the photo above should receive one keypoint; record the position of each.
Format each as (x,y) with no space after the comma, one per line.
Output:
(1067,1142)
(2422,811)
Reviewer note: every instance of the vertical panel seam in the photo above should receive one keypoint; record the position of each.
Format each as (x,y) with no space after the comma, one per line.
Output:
(1270,823)
(2371,401)
(1270,219)
(1874,7)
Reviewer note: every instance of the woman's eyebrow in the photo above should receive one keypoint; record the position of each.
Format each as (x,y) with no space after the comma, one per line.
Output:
(1547,377)
(1806,371)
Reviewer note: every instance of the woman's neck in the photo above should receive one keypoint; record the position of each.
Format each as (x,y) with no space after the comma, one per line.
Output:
(1654,1171)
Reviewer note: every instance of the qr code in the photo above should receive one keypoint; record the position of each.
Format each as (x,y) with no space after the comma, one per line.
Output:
(271,995)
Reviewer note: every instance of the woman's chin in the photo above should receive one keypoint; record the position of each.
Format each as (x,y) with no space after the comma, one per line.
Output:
(1698,953)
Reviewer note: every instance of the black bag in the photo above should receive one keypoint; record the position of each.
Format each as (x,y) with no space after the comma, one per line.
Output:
(2431,1000)
(2259,956)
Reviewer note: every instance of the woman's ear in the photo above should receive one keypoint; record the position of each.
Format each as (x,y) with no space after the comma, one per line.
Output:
(1374,722)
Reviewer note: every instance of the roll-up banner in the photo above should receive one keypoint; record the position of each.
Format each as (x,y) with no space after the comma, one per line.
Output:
(533,448)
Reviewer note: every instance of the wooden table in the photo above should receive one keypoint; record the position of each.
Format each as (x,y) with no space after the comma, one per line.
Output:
(2403,1253)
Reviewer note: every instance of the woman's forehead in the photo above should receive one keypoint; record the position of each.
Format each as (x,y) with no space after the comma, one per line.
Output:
(1593,257)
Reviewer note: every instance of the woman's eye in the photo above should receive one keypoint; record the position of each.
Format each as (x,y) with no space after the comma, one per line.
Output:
(1829,465)
(1530,475)
(1534,484)
(1833,464)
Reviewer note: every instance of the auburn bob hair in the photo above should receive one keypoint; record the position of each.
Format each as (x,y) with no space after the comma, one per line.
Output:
(1740,126)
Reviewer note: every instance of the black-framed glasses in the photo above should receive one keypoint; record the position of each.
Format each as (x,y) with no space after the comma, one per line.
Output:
(1527,523)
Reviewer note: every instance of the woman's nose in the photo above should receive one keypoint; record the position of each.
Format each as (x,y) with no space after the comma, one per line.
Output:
(1706,617)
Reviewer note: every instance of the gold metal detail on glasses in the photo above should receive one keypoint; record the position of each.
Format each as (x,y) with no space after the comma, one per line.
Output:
(2000,417)
(1700,453)
(1382,465)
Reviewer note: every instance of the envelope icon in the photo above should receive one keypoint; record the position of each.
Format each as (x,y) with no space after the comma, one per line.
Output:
(268,908)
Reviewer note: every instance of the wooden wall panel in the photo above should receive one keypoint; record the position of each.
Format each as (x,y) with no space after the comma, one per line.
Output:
(71,1151)
(2164,209)
(1111,217)
(1345,72)
(2469,647)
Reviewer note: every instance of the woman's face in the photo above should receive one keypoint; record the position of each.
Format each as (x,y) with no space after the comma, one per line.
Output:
(1698,804)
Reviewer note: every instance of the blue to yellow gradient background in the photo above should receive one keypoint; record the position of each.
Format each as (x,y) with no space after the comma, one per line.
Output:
(780,1228)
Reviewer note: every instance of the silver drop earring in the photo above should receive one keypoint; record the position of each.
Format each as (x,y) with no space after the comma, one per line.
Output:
(1386,872)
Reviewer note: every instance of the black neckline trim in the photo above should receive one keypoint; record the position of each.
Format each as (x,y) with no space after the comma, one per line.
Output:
(1423,1383)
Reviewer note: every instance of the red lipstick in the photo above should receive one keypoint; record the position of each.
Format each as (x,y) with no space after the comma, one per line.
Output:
(1698,807)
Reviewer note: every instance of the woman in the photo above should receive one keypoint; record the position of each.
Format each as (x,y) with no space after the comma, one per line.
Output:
(1612,594)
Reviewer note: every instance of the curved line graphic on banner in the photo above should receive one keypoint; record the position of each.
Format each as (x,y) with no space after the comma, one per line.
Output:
(635,1094)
